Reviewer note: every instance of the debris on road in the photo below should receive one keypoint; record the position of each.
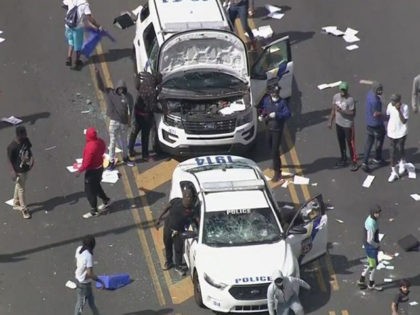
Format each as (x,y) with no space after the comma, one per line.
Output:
(368,181)
(274,12)
(12,120)
(339,221)
(416,197)
(300,180)
(328,85)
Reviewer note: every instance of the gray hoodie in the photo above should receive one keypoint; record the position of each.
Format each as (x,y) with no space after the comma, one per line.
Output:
(415,97)
(276,296)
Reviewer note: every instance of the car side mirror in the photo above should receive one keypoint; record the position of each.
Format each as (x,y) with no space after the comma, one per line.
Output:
(188,234)
(299,229)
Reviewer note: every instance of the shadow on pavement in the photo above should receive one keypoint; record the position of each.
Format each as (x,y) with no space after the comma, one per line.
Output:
(52,203)
(31,119)
(151,312)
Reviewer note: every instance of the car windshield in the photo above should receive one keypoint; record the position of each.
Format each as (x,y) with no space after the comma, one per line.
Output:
(240,227)
(200,81)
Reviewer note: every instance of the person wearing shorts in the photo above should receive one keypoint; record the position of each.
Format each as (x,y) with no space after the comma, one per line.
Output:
(371,245)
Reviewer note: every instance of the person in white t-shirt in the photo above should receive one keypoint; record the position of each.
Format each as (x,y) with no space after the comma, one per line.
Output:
(75,35)
(397,133)
(84,274)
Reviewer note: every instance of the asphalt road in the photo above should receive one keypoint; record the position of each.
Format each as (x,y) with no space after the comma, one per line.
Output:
(36,256)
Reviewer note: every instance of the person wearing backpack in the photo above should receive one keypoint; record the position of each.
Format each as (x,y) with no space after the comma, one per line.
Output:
(21,160)
(78,12)
(275,112)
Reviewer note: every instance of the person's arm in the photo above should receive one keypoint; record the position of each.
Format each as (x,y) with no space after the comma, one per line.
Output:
(394,305)
(271,301)
(302,283)
(283,111)
(370,237)
(163,215)
(332,115)
(86,162)
(376,111)
(349,112)
(402,113)
(91,275)
(92,21)
(10,159)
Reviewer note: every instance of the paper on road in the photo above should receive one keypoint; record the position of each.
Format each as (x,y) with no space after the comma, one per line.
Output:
(264,31)
(381,236)
(9,202)
(413,303)
(333,30)
(12,119)
(368,82)
(274,12)
(300,180)
(416,197)
(368,181)
(411,169)
(71,285)
(2,39)
(350,38)
(352,47)
(110,176)
(328,85)
(383,256)
(71,169)
(388,280)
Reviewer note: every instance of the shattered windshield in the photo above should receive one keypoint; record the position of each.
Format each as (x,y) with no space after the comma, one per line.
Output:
(240,227)
(203,81)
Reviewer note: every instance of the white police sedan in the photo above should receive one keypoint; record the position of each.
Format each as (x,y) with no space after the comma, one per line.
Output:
(241,236)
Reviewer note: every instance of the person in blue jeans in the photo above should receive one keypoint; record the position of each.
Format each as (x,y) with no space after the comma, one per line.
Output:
(240,8)
(375,126)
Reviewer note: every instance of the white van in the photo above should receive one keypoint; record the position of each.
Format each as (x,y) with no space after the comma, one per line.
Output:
(208,96)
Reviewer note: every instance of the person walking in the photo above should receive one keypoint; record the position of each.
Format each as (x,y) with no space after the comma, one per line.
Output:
(415,95)
(283,295)
(343,111)
(178,215)
(397,133)
(75,33)
(275,112)
(119,107)
(143,114)
(371,245)
(401,298)
(240,8)
(84,274)
(375,126)
(92,166)
(21,160)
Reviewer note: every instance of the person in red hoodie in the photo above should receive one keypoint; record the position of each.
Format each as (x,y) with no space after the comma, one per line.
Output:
(92,166)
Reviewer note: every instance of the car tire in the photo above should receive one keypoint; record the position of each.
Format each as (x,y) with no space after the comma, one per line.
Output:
(197,291)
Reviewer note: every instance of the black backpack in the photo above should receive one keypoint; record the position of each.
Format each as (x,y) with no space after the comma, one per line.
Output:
(71,18)
(25,157)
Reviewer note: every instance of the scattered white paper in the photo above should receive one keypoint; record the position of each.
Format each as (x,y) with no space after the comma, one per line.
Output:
(416,197)
(388,280)
(9,202)
(50,148)
(12,119)
(300,180)
(380,266)
(71,169)
(352,47)
(350,38)
(368,82)
(285,206)
(110,176)
(368,181)
(276,15)
(333,30)
(411,169)
(2,39)
(396,254)
(413,303)
(385,262)
(79,161)
(118,150)
(85,111)
(314,184)
(71,285)
(350,30)
(267,177)
(383,256)
(264,31)
(334,84)
(381,236)
(285,184)
(330,207)
(390,267)
(1,32)
(274,12)
(323,86)
(84,131)
(339,221)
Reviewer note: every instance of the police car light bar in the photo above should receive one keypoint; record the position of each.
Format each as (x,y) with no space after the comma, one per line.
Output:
(252,184)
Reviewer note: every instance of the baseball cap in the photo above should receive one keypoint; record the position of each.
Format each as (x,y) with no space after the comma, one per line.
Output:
(343,86)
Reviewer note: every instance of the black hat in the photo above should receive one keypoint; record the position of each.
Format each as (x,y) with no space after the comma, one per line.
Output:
(375,209)
(395,98)
(275,89)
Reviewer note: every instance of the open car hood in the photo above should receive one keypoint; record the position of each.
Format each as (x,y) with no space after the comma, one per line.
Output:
(210,50)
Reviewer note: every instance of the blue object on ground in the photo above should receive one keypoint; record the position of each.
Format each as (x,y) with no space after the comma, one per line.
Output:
(113,282)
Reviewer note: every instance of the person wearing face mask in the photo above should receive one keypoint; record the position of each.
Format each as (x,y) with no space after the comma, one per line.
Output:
(275,111)
(119,108)
(283,295)
(343,111)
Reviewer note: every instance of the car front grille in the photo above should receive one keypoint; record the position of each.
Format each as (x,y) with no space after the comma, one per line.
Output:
(249,292)
(209,127)
(250,308)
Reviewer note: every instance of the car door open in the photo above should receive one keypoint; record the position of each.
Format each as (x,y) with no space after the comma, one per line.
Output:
(274,66)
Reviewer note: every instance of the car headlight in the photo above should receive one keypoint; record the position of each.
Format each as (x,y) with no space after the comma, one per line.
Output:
(173,121)
(213,283)
(244,119)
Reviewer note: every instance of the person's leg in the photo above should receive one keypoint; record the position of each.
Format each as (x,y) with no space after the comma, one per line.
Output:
(113,126)
(145,133)
(135,129)
(69,36)
(78,42)
(178,248)
(19,195)
(123,140)
(167,241)
(243,16)
(370,139)
(402,148)
(91,300)
(296,306)
(341,137)
(282,309)
(275,152)
(393,151)
(81,300)
(90,190)
(98,187)
(233,14)
(380,137)
(350,139)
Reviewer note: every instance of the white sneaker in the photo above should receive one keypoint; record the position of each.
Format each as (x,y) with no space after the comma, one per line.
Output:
(105,205)
(401,167)
(375,287)
(90,214)
(393,176)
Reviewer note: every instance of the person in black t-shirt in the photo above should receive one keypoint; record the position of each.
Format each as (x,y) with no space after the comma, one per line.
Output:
(177,215)
(21,161)
(401,297)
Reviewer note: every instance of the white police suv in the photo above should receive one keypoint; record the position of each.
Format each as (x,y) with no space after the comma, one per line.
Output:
(208,90)
(241,235)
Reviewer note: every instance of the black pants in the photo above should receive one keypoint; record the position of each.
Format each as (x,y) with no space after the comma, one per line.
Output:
(274,141)
(93,188)
(374,134)
(172,242)
(241,10)
(345,136)
(143,124)
(397,148)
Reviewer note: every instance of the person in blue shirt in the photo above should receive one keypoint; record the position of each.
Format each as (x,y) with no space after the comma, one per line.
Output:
(371,245)
(275,111)
(375,126)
